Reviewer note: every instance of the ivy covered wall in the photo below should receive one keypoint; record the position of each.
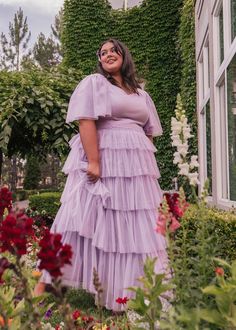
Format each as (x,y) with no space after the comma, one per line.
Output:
(160,36)
(186,39)
(85,24)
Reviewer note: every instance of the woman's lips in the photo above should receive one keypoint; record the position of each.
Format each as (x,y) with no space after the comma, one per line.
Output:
(110,61)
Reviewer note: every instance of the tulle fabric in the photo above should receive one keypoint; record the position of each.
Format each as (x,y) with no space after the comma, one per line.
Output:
(110,224)
(92,100)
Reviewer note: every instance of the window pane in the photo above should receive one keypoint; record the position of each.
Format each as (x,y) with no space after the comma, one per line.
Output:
(233,19)
(231,99)
(221,36)
(208,146)
(223,150)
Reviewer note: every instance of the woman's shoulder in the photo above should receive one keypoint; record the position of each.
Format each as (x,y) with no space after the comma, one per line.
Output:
(143,93)
(94,77)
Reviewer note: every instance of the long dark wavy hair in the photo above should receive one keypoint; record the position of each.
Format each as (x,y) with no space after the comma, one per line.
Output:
(128,72)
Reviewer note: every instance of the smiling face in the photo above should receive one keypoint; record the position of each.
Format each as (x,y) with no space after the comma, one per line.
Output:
(110,60)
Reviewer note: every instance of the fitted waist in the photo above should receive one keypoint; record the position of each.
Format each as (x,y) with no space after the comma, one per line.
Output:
(119,124)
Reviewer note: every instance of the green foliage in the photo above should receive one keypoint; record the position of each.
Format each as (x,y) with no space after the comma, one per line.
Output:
(33,106)
(48,202)
(224,293)
(86,23)
(153,27)
(147,303)
(32,174)
(204,234)
(186,43)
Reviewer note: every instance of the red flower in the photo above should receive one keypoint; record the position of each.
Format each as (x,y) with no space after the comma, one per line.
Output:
(53,255)
(122,301)
(15,231)
(76,314)
(4,264)
(170,212)
(219,271)
(5,200)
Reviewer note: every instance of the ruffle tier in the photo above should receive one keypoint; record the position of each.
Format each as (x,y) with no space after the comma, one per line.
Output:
(122,194)
(123,153)
(116,271)
(111,224)
(112,231)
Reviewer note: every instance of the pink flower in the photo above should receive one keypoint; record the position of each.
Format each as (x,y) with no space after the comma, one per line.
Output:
(171,210)
(174,224)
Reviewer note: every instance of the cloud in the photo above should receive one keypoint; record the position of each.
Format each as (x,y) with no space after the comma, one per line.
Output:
(45,6)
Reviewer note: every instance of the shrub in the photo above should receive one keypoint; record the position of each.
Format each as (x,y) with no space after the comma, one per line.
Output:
(48,201)
(205,233)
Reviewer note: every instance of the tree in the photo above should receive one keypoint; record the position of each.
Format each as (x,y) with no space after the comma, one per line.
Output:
(57,30)
(45,52)
(32,174)
(33,106)
(15,49)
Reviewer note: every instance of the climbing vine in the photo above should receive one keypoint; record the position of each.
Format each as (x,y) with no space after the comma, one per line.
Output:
(150,31)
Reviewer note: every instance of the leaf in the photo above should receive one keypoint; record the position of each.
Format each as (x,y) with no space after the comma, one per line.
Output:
(222,262)
(212,290)
(212,316)
(19,308)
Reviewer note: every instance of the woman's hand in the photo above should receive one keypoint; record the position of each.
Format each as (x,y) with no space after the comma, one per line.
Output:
(150,138)
(93,171)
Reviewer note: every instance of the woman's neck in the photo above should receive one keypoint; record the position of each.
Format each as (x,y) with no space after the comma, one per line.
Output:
(118,78)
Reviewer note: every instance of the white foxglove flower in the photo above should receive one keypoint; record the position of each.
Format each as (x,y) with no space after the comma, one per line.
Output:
(184,169)
(176,125)
(182,149)
(177,158)
(194,163)
(193,178)
(176,142)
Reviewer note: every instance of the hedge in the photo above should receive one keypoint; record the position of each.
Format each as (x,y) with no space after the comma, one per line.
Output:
(48,201)
(204,234)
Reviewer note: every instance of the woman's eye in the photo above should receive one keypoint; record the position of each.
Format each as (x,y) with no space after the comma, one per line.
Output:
(103,53)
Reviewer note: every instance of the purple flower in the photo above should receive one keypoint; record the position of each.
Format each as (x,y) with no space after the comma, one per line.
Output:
(48,314)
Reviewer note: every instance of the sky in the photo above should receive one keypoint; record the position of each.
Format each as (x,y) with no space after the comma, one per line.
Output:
(40,13)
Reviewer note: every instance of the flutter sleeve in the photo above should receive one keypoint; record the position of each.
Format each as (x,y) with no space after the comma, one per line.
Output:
(153,125)
(90,99)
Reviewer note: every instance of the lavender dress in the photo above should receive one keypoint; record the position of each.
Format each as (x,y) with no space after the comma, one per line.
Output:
(111,224)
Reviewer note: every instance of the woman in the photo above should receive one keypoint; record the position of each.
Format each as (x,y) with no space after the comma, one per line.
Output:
(109,204)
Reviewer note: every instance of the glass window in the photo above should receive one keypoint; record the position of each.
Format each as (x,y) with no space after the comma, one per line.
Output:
(233,19)
(223,147)
(208,146)
(221,34)
(231,99)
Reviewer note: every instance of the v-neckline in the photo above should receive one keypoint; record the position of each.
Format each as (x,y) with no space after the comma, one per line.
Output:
(122,90)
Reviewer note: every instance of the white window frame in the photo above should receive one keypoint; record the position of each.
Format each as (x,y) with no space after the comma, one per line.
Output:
(203,99)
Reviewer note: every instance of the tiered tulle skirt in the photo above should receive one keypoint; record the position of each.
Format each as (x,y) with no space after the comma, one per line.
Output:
(111,224)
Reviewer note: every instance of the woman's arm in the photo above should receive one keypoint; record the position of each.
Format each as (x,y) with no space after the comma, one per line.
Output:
(89,139)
